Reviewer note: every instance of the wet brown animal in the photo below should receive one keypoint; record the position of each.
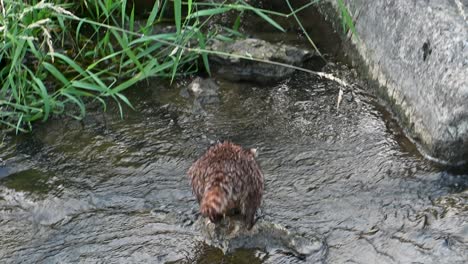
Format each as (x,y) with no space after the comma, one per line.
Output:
(227,178)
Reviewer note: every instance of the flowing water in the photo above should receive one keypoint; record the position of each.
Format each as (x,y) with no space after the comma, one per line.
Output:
(345,182)
(342,185)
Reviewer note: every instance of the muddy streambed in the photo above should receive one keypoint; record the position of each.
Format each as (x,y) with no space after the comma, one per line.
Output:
(342,186)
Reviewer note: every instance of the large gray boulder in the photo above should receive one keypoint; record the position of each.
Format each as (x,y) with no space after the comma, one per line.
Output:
(417,51)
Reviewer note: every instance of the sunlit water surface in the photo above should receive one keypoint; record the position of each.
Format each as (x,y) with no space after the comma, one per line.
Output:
(115,191)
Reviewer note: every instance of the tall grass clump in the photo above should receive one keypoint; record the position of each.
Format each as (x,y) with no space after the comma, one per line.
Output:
(39,78)
(57,56)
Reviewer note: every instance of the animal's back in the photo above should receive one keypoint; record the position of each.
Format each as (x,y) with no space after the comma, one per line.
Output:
(227,177)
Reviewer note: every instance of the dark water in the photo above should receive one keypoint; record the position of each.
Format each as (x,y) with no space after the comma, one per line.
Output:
(344,183)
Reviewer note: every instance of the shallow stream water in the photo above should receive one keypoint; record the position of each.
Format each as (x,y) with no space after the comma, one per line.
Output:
(343,185)
(111,190)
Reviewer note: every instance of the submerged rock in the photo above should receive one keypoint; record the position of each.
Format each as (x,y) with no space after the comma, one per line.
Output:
(204,91)
(231,234)
(235,68)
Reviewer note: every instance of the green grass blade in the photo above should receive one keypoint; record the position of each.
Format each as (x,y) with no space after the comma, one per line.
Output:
(13,126)
(303,29)
(99,84)
(346,17)
(33,117)
(175,63)
(23,108)
(56,73)
(9,127)
(237,23)
(178,14)
(233,32)
(189,7)
(167,37)
(131,21)
(153,14)
(128,51)
(150,70)
(104,105)
(125,100)
(71,63)
(42,91)
(87,86)
(202,43)
(18,52)
(120,107)
(123,7)
(265,17)
(79,93)
(78,102)
(209,12)
(18,124)
(163,8)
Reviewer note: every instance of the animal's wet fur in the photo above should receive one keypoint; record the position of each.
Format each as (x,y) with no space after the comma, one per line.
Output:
(225,179)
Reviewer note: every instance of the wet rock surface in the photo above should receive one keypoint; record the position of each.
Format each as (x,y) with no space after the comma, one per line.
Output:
(231,234)
(202,92)
(417,51)
(241,69)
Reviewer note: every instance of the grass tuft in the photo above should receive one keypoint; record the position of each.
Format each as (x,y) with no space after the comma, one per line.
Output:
(59,55)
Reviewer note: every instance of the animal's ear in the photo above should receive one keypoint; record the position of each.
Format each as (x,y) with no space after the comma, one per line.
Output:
(254,152)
